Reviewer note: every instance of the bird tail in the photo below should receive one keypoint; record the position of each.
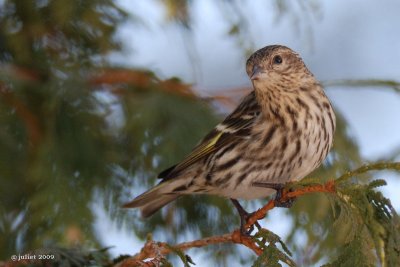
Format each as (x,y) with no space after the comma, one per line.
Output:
(151,201)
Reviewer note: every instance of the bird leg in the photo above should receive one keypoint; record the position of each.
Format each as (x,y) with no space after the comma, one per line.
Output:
(244,216)
(281,200)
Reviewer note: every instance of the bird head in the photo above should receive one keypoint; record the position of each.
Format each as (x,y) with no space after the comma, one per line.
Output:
(277,67)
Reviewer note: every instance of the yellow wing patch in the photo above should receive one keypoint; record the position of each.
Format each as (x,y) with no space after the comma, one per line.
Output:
(214,140)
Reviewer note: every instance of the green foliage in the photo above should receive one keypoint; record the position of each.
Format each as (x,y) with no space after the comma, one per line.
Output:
(57,34)
(271,254)
(372,216)
(355,253)
(370,223)
(58,141)
(50,125)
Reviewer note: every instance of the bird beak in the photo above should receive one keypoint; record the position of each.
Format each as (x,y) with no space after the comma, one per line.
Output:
(257,73)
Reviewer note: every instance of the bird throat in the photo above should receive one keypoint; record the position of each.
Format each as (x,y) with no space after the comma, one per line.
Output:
(270,101)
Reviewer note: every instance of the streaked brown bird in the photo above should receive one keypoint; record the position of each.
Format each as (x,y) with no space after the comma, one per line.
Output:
(280,132)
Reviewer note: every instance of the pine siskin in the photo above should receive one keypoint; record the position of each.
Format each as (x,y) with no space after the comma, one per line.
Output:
(280,132)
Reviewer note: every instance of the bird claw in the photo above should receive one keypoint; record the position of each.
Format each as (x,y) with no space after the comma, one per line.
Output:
(243,223)
(284,203)
(244,217)
(281,200)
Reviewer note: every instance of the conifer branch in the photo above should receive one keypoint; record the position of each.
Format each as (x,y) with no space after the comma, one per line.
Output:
(153,250)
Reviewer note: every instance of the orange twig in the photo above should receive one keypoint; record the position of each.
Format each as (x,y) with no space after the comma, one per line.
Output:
(260,213)
(328,187)
(156,250)
(238,238)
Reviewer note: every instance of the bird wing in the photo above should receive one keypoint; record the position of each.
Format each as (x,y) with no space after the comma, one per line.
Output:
(236,126)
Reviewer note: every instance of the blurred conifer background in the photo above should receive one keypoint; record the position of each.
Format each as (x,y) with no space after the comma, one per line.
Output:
(76,129)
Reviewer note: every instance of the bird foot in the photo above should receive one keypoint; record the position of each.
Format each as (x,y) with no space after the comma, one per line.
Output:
(243,222)
(244,216)
(281,200)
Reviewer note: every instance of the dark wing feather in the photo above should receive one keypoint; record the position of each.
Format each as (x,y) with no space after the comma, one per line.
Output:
(236,126)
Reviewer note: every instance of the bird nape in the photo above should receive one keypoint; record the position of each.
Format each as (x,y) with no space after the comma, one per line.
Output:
(280,132)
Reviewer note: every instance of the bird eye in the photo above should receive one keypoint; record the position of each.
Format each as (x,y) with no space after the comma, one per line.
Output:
(277,59)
